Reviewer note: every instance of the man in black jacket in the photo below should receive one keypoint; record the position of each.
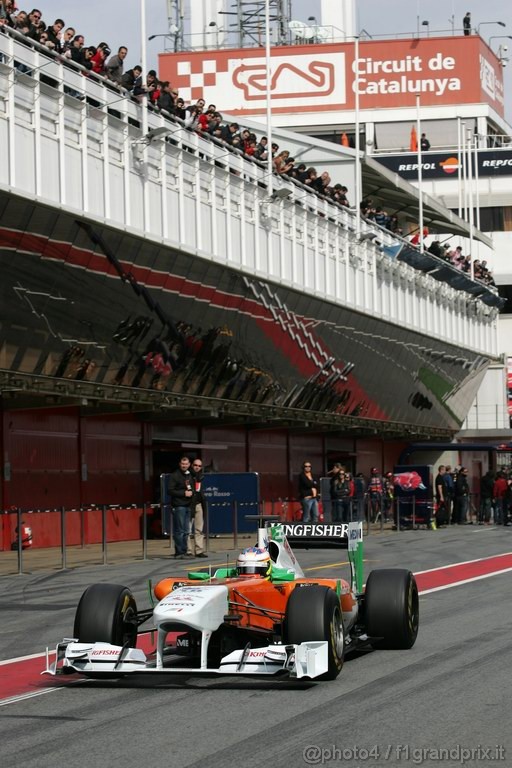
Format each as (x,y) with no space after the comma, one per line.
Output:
(197,512)
(461,496)
(181,495)
(486,489)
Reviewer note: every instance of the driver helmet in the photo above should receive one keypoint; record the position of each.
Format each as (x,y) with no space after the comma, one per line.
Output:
(254,561)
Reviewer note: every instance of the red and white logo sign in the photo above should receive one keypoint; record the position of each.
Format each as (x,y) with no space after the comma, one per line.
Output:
(237,84)
(324,77)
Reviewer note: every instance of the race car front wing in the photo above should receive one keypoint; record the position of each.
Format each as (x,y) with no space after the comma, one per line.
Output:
(308,660)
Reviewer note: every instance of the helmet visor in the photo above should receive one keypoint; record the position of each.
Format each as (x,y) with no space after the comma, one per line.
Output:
(249,569)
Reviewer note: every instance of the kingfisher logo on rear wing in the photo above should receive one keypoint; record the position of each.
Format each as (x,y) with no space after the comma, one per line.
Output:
(315,530)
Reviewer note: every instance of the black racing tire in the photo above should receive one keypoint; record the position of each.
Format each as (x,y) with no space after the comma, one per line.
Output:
(106,613)
(314,613)
(392,608)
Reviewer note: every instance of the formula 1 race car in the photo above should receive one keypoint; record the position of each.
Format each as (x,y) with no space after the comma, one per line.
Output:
(262,617)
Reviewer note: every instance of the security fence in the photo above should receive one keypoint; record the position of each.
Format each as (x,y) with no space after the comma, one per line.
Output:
(62,538)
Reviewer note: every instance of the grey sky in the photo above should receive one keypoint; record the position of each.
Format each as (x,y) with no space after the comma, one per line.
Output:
(117,22)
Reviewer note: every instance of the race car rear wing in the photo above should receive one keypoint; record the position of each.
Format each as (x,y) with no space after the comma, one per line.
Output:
(306,535)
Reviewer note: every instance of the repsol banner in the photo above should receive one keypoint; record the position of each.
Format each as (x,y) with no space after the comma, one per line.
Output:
(434,165)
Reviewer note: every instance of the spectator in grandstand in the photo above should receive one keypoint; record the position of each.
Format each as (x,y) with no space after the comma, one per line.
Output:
(309,177)
(261,151)
(35,16)
(308,494)
(115,65)
(215,125)
(53,34)
(131,81)
(87,57)
(424,143)
(321,183)
(365,206)
(100,58)
(36,25)
(192,117)
(38,31)
(43,40)
(152,87)
(457,258)
(229,132)
(66,39)
(166,99)
(281,162)
(250,146)
(415,239)
(297,170)
(394,226)
(204,121)
(21,22)
(380,217)
(75,51)
(435,249)
(339,194)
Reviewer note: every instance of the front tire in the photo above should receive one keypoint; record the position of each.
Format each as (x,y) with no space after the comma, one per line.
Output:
(392,609)
(106,613)
(314,613)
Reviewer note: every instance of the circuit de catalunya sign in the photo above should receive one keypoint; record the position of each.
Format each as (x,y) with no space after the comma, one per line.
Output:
(325,77)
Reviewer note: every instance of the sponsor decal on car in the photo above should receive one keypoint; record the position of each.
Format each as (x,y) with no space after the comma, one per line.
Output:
(320,530)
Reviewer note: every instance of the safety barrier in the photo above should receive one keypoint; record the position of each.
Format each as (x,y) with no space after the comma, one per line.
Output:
(102,534)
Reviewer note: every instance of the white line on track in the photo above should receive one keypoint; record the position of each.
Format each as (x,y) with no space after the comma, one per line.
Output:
(464,581)
(464,562)
(31,695)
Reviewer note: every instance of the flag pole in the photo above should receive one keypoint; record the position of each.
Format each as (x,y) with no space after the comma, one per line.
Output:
(268,79)
(420,173)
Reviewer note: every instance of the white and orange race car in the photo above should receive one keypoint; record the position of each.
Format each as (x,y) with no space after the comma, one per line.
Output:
(261,617)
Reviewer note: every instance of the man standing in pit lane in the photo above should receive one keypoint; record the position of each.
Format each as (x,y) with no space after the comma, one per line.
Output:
(181,494)
(197,512)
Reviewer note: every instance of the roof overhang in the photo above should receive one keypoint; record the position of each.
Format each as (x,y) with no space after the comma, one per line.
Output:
(398,195)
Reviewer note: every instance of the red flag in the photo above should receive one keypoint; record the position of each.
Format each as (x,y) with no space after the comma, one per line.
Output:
(414,140)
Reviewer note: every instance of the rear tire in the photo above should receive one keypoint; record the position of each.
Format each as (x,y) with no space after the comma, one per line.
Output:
(314,613)
(106,613)
(392,609)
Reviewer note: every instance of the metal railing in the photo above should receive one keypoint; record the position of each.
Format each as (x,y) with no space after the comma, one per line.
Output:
(61,538)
